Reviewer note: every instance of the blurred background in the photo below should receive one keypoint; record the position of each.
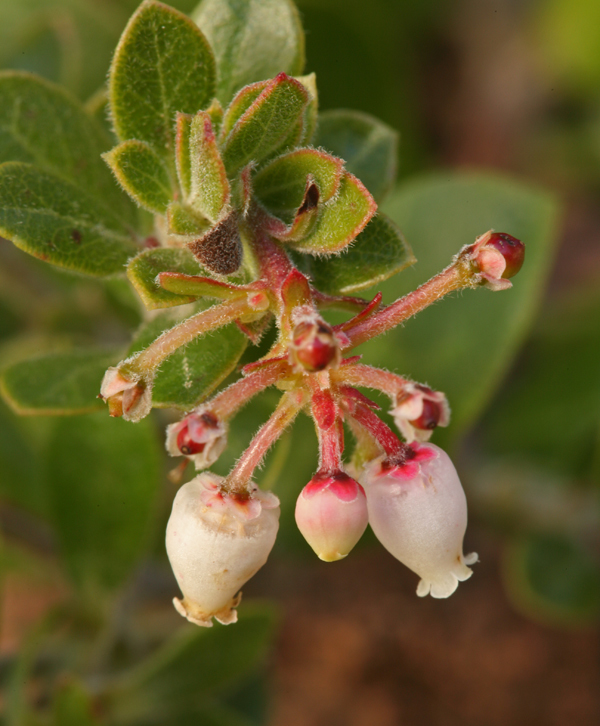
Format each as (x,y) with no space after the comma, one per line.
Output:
(498,107)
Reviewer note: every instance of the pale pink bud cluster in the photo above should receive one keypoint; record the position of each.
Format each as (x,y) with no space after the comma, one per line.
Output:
(216,543)
(419,410)
(331,514)
(200,436)
(418,511)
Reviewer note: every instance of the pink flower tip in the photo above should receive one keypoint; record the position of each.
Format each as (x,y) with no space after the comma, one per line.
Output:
(331,514)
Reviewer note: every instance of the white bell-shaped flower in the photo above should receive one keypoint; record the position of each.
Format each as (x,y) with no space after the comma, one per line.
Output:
(215,544)
(331,513)
(418,512)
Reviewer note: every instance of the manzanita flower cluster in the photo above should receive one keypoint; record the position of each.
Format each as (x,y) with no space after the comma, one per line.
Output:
(253,198)
(249,214)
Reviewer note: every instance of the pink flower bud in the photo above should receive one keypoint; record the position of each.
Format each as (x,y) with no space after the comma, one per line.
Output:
(498,256)
(418,512)
(419,410)
(200,436)
(331,513)
(314,346)
(126,396)
(215,544)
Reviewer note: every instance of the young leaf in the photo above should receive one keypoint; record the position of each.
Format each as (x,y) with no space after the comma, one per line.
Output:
(185,222)
(311,115)
(464,345)
(103,479)
(143,270)
(252,40)
(209,191)
(281,185)
(239,105)
(379,252)
(190,374)
(266,124)
(56,384)
(340,220)
(183,162)
(42,124)
(368,146)
(163,65)
(56,221)
(142,174)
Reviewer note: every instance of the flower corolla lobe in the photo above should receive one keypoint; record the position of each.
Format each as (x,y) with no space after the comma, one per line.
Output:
(200,436)
(418,511)
(216,543)
(419,410)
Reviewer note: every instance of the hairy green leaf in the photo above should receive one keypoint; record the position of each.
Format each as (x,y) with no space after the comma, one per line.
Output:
(56,221)
(340,219)
(195,664)
(266,124)
(143,270)
(42,124)
(239,105)
(464,345)
(142,174)
(553,579)
(163,65)
(56,384)
(281,185)
(193,372)
(379,252)
(368,146)
(103,479)
(252,40)
(209,192)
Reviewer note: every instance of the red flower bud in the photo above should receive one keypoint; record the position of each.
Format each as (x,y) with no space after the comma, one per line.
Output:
(200,436)
(419,410)
(512,249)
(314,346)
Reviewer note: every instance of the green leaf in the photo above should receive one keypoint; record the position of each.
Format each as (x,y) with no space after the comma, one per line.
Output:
(142,174)
(42,124)
(163,65)
(368,146)
(185,222)
(252,40)
(56,384)
(464,345)
(379,252)
(103,481)
(59,223)
(549,410)
(209,192)
(197,664)
(143,270)
(340,219)
(553,579)
(183,161)
(281,185)
(192,373)
(266,124)
(239,105)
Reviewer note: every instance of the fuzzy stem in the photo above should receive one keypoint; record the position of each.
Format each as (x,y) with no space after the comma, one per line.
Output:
(458,275)
(239,393)
(330,431)
(379,430)
(215,317)
(288,408)
(369,377)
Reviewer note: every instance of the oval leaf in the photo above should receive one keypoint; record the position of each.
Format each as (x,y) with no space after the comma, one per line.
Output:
(142,174)
(266,124)
(368,146)
(57,222)
(103,479)
(42,124)
(56,384)
(379,252)
(209,186)
(163,65)
(252,40)
(193,372)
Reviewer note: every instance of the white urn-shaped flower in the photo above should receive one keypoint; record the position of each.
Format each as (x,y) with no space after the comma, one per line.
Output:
(418,511)
(216,543)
